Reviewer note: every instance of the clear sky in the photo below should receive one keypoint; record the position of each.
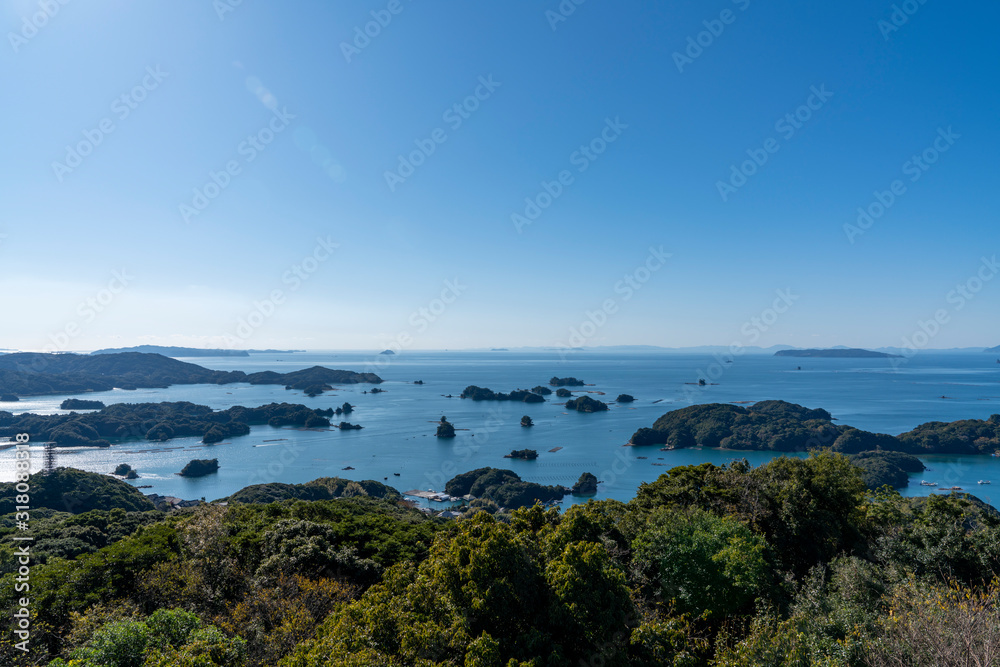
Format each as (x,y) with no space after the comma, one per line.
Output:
(329,232)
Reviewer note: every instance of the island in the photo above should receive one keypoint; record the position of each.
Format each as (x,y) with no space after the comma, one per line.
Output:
(541,390)
(838,353)
(625,398)
(169,351)
(483,394)
(348,426)
(387,352)
(586,404)
(31,373)
(200,468)
(80,404)
(503,487)
(585,486)
(126,471)
(565,382)
(787,427)
(526,454)
(563,393)
(992,350)
(526,421)
(445,429)
(158,422)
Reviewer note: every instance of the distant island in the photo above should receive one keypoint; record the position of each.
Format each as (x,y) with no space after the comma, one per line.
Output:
(992,350)
(31,373)
(175,351)
(387,352)
(838,353)
(483,394)
(200,468)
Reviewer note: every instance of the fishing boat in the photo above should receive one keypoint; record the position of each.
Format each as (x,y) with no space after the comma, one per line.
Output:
(926,483)
(985,481)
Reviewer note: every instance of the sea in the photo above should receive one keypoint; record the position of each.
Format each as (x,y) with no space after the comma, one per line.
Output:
(397,445)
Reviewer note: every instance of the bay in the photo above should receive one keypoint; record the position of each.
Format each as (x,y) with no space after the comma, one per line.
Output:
(873,394)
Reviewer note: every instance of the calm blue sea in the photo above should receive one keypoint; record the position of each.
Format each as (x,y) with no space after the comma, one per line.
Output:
(398,437)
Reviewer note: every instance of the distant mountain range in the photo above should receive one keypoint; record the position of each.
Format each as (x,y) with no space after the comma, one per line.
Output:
(189,351)
(837,353)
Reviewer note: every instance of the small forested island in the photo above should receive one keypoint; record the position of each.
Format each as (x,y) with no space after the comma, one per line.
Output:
(35,374)
(541,390)
(838,352)
(503,487)
(169,351)
(126,471)
(565,382)
(482,394)
(625,398)
(526,421)
(387,352)
(526,454)
(157,421)
(563,393)
(81,404)
(586,404)
(200,468)
(445,429)
(347,426)
(585,486)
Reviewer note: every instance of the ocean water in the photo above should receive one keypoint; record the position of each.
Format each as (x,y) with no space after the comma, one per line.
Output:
(398,438)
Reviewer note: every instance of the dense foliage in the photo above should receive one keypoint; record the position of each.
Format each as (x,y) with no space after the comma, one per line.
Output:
(75,491)
(793,563)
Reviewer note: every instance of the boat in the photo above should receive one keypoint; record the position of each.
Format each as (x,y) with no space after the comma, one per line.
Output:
(985,481)
(926,483)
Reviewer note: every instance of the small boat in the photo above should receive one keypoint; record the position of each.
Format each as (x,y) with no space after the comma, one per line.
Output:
(985,481)
(926,483)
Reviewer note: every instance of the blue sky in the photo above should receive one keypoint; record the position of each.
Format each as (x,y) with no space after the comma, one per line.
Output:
(201,78)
